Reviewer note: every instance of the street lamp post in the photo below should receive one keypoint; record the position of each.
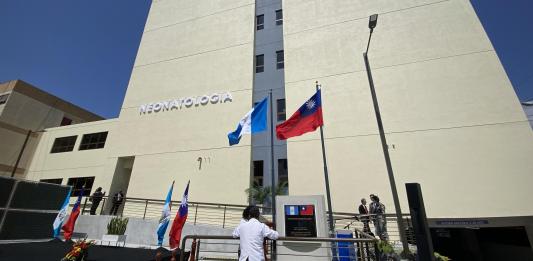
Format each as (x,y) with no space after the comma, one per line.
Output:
(371,25)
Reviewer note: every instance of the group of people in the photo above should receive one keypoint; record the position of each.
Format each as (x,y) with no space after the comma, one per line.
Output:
(252,233)
(375,213)
(98,195)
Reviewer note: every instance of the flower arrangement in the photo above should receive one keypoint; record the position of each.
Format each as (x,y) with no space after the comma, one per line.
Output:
(79,250)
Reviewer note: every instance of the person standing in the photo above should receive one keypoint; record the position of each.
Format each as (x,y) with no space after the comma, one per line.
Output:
(117,201)
(380,223)
(251,235)
(363,212)
(95,199)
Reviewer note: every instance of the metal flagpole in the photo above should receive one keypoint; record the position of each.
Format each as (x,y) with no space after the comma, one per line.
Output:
(384,146)
(328,194)
(273,178)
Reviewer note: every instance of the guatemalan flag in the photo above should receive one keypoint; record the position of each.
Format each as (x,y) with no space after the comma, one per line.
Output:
(165,217)
(68,228)
(58,222)
(253,122)
(306,119)
(179,220)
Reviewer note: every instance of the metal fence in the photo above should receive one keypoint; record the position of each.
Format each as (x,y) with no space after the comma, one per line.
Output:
(209,247)
(223,215)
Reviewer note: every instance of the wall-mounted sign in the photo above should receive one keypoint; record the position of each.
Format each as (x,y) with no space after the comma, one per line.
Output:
(187,102)
(300,221)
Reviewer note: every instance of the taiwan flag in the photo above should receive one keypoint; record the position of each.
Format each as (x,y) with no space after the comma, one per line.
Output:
(307,210)
(306,119)
(179,220)
(68,228)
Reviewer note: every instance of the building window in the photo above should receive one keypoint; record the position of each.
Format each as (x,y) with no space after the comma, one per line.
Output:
(258,173)
(259,63)
(260,22)
(280,61)
(64,144)
(280,109)
(3,98)
(279,17)
(93,141)
(65,121)
(81,185)
(283,175)
(52,181)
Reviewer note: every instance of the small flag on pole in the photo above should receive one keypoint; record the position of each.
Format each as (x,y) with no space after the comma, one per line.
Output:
(165,217)
(68,228)
(179,220)
(61,216)
(306,119)
(253,122)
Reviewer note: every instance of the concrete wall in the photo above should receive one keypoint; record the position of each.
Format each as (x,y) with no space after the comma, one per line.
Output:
(452,119)
(29,108)
(143,232)
(190,49)
(76,163)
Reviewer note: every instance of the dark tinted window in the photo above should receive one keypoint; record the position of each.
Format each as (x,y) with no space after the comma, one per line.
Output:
(93,141)
(258,173)
(280,60)
(81,185)
(52,181)
(259,63)
(279,17)
(260,22)
(64,144)
(280,110)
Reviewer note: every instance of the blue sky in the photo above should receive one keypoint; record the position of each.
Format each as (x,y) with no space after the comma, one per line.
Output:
(83,51)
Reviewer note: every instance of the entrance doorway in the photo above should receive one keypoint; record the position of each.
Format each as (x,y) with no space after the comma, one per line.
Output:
(121,181)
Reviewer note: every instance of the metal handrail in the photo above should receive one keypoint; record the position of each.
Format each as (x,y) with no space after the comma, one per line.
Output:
(287,239)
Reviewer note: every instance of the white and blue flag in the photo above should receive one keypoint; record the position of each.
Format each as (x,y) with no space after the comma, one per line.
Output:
(253,122)
(58,222)
(165,218)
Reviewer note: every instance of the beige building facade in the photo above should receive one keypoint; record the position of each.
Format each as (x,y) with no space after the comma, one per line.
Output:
(451,117)
(27,111)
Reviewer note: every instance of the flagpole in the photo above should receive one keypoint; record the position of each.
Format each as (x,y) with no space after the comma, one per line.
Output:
(328,194)
(273,178)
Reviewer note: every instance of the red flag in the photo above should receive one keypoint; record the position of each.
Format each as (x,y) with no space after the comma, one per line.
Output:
(179,220)
(307,210)
(68,228)
(306,119)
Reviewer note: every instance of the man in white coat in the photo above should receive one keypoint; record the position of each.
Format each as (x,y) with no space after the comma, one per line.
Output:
(251,235)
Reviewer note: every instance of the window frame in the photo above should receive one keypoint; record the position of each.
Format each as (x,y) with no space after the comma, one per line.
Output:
(60,148)
(80,184)
(281,115)
(259,68)
(259,26)
(279,20)
(4,97)
(258,179)
(285,176)
(88,142)
(58,181)
(280,63)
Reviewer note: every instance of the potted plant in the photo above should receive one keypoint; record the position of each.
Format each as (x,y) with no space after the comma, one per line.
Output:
(115,231)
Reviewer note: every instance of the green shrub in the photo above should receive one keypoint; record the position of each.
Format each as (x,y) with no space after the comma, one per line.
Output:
(117,226)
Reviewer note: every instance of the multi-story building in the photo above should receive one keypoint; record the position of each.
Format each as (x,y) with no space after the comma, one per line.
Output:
(451,117)
(25,112)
